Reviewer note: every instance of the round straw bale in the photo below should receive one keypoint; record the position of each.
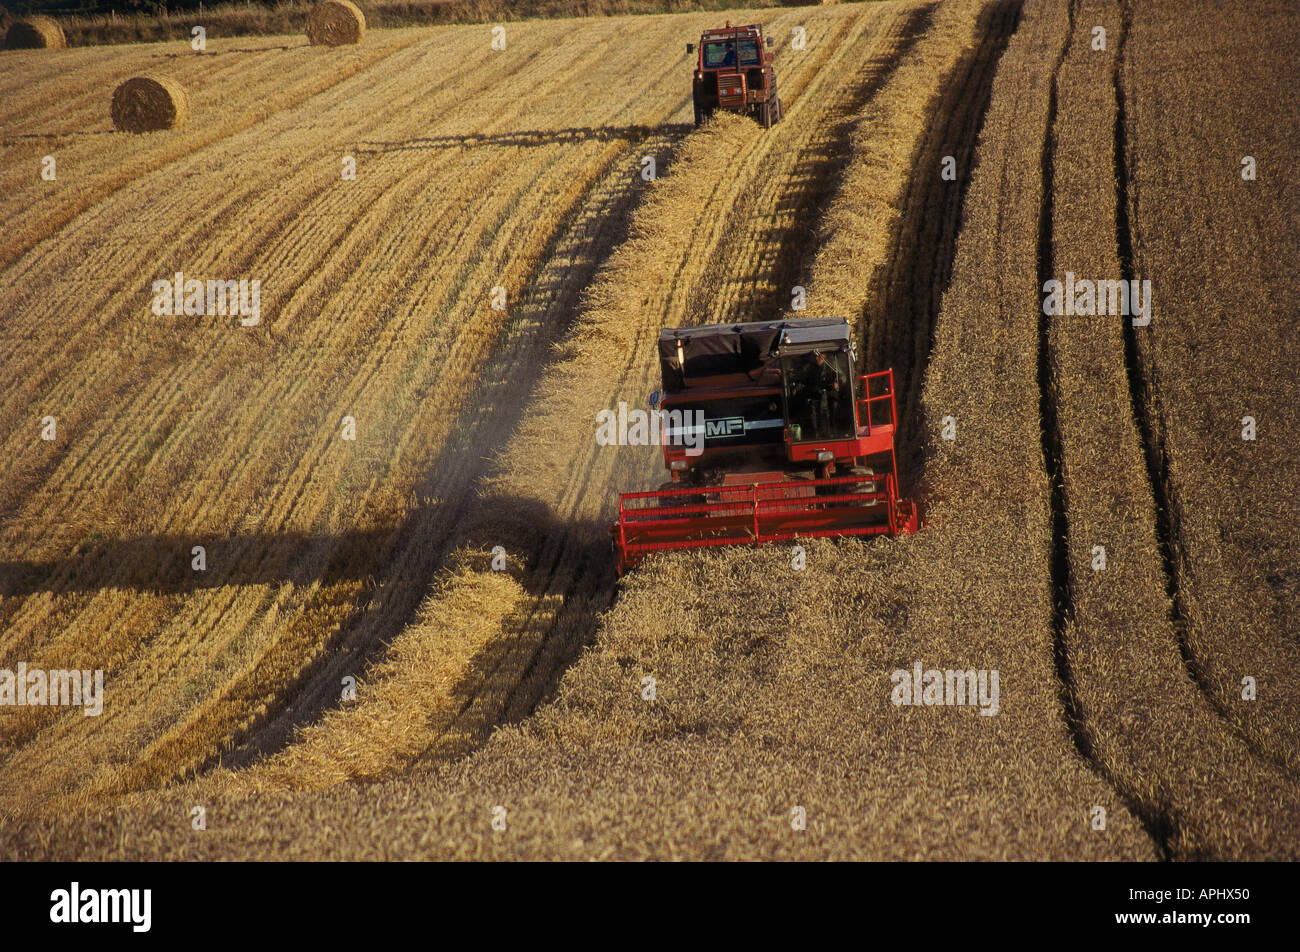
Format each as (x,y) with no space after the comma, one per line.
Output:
(146,103)
(335,23)
(35,33)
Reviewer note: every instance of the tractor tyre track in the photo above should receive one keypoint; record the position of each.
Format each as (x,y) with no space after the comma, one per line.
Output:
(1145,398)
(1155,818)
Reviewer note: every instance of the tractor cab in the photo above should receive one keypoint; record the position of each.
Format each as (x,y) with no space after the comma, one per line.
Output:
(733,71)
(730,53)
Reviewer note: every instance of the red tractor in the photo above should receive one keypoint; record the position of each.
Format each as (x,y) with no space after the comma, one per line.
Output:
(733,71)
(769,435)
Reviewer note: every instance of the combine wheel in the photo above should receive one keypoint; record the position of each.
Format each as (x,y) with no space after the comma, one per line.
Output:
(765,114)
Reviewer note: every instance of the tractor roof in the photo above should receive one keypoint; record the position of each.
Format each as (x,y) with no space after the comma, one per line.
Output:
(730,32)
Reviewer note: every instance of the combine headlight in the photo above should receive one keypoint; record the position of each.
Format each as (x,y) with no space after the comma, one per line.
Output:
(825,456)
(679,465)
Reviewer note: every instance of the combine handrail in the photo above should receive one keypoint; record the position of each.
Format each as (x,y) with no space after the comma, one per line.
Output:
(868,399)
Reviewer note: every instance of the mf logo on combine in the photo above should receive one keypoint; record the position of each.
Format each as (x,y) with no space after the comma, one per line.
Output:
(727,426)
(103,905)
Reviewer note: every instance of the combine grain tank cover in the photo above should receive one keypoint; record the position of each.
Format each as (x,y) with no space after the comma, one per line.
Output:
(723,349)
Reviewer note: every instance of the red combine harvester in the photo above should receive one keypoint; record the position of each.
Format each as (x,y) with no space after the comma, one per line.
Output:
(769,435)
(733,71)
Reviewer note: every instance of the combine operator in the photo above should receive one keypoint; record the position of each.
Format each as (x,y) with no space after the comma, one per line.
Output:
(818,404)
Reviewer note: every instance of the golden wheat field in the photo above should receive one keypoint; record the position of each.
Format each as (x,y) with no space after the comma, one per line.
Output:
(339,545)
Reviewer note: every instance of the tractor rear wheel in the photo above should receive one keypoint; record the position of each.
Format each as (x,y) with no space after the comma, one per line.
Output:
(774,101)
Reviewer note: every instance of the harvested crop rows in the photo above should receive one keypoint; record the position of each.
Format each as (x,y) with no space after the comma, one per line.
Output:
(752,714)
(288,608)
(376,298)
(548,504)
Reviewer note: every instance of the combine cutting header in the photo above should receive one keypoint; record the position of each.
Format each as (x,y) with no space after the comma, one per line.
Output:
(769,435)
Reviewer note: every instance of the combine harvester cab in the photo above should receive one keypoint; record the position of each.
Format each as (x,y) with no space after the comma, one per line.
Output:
(770,435)
(733,71)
